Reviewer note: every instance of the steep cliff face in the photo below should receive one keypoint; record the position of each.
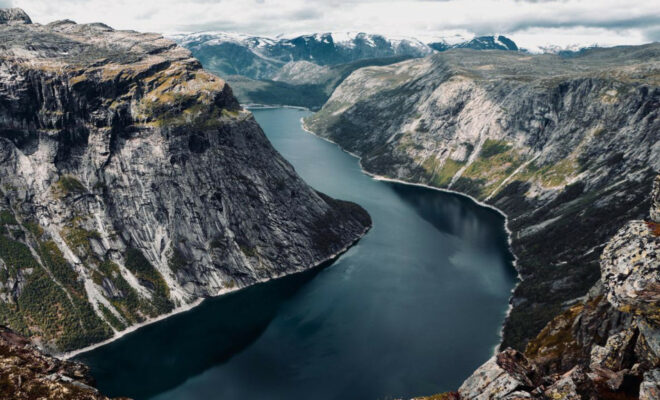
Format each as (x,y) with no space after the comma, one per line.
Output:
(132,183)
(565,147)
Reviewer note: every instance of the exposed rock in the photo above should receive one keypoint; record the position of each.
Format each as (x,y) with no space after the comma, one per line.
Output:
(650,388)
(567,147)
(630,267)
(27,373)
(14,16)
(500,376)
(617,353)
(570,386)
(647,348)
(655,198)
(132,183)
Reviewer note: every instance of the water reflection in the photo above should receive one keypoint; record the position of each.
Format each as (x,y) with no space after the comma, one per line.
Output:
(168,353)
(414,308)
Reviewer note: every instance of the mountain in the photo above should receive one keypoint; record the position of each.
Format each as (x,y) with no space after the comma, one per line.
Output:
(304,70)
(262,58)
(479,43)
(300,83)
(566,147)
(132,184)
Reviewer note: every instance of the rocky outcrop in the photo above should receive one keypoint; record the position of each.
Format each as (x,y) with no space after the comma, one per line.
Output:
(14,16)
(630,267)
(27,373)
(133,184)
(597,349)
(505,374)
(567,148)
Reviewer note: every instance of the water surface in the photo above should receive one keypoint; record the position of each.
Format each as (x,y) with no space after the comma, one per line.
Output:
(413,309)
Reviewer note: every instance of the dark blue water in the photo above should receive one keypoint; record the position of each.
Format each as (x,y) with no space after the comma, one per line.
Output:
(413,309)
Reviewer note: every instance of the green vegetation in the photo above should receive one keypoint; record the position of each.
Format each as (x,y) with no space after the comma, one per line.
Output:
(497,161)
(52,257)
(48,312)
(10,316)
(130,304)
(78,240)
(17,257)
(551,175)
(249,251)
(34,228)
(470,186)
(7,218)
(492,147)
(447,172)
(138,264)
(177,261)
(111,318)
(43,308)
(69,185)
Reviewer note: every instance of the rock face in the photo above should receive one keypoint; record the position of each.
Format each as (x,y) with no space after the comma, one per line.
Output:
(132,183)
(26,373)
(566,147)
(300,83)
(14,16)
(505,373)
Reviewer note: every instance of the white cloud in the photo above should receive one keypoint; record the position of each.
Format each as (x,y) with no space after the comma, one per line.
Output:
(530,22)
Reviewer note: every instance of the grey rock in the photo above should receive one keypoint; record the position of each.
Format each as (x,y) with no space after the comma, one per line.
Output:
(630,268)
(124,151)
(655,199)
(14,16)
(616,352)
(650,388)
(501,376)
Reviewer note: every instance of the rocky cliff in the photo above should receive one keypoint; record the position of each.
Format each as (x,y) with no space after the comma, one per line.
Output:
(607,346)
(567,148)
(26,373)
(132,184)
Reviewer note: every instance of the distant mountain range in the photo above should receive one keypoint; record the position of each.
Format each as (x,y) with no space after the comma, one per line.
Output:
(262,58)
(304,70)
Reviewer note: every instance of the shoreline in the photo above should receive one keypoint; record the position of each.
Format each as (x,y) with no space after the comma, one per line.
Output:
(190,306)
(509,233)
(330,258)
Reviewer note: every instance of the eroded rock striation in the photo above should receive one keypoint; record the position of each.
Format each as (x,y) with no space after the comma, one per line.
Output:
(132,183)
(567,147)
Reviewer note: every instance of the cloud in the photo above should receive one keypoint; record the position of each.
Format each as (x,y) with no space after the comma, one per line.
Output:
(534,22)
(6,3)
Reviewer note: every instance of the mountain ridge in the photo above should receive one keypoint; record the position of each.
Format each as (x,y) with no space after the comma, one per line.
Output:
(505,128)
(132,184)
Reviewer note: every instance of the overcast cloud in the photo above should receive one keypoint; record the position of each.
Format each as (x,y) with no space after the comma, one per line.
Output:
(531,23)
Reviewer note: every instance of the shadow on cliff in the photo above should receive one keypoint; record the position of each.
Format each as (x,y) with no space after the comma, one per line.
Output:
(163,355)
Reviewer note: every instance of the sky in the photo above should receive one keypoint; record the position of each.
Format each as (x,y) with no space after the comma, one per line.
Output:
(532,24)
